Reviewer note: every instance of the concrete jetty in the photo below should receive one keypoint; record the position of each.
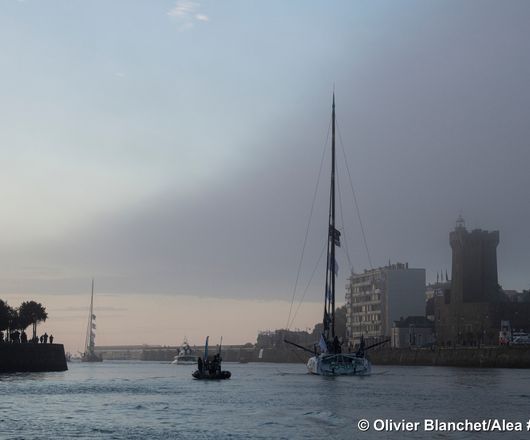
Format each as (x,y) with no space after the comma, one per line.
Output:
(31,357)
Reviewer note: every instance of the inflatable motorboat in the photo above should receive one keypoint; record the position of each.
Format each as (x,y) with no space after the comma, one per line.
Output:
(215,376)
(209,368)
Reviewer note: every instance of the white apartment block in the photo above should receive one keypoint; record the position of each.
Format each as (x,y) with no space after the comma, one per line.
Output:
(378,297)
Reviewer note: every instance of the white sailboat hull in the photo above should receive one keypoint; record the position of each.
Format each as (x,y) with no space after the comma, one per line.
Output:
(185,360)
(342,364)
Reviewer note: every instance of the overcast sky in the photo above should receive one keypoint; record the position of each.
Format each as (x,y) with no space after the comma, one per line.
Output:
(172,148)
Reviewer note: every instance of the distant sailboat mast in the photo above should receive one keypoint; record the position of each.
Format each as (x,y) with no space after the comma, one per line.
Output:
(90,336)
(90,354)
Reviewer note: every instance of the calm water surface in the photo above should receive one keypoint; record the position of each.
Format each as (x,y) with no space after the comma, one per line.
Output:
(151,400)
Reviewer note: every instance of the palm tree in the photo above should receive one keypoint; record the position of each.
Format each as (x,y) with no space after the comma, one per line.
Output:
(4,315)
(8,319)
(31,313)
(13,320)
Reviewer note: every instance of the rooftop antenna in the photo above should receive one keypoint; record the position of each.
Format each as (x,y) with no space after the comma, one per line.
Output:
(460,223)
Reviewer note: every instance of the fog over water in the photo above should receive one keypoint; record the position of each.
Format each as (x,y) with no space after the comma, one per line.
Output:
(171,154)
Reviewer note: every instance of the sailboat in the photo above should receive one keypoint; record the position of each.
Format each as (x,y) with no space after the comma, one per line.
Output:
(329,360)
(90,355)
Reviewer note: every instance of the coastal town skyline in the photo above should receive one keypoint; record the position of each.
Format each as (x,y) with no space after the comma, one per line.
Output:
(152,147)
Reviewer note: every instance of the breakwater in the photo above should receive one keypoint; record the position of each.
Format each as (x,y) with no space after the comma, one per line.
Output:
(32,358)
(230,353)
(473,357)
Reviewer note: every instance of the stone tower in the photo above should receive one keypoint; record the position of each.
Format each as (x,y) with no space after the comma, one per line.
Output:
(474,268)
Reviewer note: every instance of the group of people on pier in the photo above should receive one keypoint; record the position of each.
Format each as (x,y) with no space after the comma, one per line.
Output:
(16,337)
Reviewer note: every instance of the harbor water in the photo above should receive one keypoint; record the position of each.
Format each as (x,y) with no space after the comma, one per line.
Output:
(153,400)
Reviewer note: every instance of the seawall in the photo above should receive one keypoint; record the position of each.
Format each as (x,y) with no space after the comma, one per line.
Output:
(486,357)
(32,357)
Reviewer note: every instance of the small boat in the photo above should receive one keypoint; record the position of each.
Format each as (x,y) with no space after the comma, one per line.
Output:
(217,376)
(185,355)
(210,368)
(90,355)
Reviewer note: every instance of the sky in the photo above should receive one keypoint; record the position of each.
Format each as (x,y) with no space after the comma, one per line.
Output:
(171,150)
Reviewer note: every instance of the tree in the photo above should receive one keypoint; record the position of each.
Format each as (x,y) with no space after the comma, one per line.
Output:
(13,319)
(8,318)
(4,315)
(31,313)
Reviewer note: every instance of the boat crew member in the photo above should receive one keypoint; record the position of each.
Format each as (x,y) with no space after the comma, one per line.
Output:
(336,345)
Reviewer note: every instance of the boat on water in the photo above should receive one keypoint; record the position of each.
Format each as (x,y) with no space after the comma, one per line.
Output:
(209,368)
(328,358)
(90,342)
(185,355)
(334,363)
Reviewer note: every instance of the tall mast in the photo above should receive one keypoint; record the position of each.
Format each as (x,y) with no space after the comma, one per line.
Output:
(92,317)
(332,228)
(89,337)
(333,239)
(92,301)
